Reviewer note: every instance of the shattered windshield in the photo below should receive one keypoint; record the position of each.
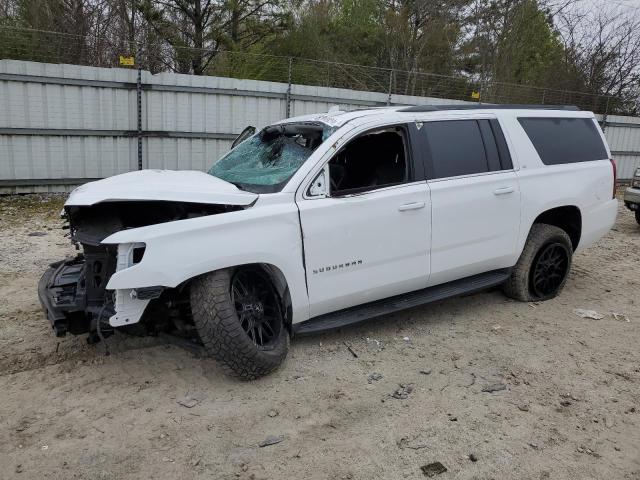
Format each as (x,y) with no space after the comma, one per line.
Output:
(266,161)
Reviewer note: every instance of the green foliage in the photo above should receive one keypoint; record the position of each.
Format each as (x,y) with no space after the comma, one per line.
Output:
(529,50)
(444,48)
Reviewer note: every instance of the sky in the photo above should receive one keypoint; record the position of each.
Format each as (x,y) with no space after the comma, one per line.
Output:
(624,6)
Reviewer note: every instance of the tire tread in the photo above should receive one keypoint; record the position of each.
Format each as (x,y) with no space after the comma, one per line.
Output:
(517,286)
(221,333)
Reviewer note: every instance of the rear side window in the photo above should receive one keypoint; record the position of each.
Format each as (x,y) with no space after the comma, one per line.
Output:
(564,140)
(456,148)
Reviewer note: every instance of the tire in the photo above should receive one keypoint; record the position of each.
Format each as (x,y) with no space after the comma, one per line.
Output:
(537,276)
(638,216)
(238,346)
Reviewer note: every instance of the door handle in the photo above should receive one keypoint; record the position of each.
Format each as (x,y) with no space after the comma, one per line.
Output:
(504,190)
(411,206)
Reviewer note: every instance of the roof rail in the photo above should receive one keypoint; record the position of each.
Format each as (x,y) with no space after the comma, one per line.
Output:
(485,106)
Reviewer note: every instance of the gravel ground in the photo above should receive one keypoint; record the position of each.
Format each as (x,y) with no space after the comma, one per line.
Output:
(565,402)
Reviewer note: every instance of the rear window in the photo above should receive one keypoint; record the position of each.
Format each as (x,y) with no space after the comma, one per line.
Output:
(564,140)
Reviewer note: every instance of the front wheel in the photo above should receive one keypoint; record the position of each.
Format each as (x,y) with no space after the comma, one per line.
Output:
(240,320)
(543,266)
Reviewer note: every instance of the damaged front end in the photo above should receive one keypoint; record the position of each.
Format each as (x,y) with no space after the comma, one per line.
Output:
(73,292)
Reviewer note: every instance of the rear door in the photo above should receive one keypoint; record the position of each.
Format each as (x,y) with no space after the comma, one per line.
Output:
(475,198)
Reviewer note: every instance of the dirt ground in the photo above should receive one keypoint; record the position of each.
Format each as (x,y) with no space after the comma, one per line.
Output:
(570,407)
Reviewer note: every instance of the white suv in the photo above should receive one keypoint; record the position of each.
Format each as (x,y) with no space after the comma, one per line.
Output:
(324,220)
(632,195)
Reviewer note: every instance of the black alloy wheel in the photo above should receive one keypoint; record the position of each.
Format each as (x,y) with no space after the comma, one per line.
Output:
(258,307)
(549,269)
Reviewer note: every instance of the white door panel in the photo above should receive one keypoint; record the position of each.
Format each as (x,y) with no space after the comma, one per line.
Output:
(365,247)
(475,225)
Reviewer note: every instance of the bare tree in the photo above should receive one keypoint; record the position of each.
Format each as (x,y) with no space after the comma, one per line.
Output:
(602,50)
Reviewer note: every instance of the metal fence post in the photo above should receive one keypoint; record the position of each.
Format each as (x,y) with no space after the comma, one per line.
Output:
(288,99)
(390,86)
(606,113)
(139,101)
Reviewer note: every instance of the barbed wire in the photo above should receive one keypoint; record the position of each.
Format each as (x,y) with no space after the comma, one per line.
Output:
(105,51)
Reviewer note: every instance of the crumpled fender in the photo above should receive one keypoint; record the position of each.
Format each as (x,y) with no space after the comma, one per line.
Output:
(180,250)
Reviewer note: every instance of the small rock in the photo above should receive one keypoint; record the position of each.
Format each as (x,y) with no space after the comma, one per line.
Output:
(496,387)
(271,440)
(44,447)
(403,392)
(588,451)
(374,377)
(426,371)
(565,403)
(406,339)
(272,413)
(19,468)
(621,317)
(472,457)
(523,407)
(374,345)
(433,469)
(188,402)
(37,234)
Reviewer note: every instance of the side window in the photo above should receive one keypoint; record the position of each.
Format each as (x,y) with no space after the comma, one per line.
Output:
(456,148)
(564,140)
(501,143)
(370,161)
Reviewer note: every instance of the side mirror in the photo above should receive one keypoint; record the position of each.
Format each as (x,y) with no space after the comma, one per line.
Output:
(246,133)
(318,187)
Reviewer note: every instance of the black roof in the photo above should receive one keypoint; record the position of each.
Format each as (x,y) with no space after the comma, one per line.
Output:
(484,106)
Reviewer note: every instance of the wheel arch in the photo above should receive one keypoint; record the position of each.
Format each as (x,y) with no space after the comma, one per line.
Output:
(277,277)
(565,217)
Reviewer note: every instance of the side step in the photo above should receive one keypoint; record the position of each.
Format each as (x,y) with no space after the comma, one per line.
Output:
(379,308)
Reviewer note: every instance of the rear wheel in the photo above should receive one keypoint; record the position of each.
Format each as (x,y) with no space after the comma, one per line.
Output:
(239,317)
(543,267)
(638,216)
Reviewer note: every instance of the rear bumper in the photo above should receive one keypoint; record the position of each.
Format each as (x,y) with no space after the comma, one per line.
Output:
(632,198)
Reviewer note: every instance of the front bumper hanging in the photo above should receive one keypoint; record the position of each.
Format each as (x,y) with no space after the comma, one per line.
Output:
(74,297)
(63,295)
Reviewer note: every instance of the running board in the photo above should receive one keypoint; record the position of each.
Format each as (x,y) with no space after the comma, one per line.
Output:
(379,308)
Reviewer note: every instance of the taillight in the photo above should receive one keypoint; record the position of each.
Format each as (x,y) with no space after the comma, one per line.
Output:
(615,176)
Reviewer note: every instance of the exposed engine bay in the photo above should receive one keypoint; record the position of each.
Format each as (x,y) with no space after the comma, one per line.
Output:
(73,291)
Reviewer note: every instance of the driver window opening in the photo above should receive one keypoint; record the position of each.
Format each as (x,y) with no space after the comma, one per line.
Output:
(374,160)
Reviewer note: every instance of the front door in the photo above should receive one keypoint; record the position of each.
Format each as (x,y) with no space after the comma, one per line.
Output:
(370,238)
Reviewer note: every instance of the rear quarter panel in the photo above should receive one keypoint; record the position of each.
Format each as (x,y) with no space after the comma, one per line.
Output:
(586,185)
